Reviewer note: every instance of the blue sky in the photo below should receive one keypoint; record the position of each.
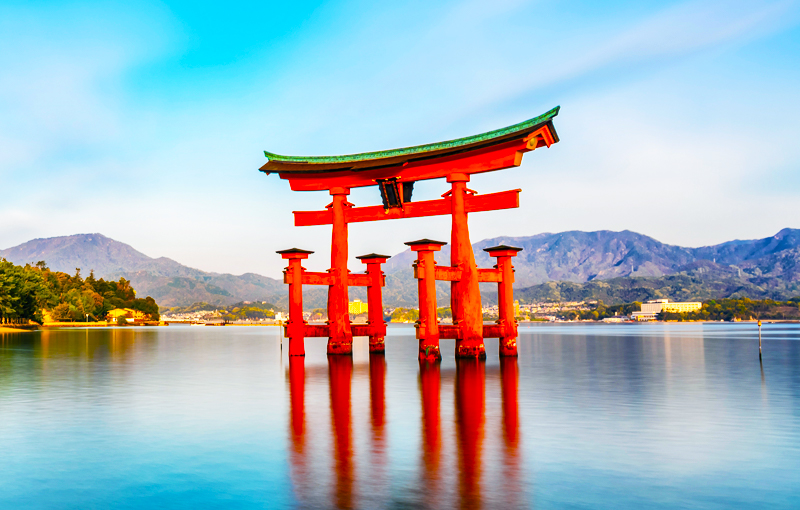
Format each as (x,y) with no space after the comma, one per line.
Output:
(146,121)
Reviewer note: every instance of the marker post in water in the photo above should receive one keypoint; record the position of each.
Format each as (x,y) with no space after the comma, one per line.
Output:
(759,340)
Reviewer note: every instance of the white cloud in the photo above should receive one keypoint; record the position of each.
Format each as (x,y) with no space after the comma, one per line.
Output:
(62,68)
(176,176)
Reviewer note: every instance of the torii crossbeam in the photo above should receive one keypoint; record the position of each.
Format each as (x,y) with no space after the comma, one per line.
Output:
(395,172)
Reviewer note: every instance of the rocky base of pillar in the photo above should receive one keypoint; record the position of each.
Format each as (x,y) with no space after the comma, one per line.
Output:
(340,348)
(508,347)
(377,346)
(429,353)
(465,350)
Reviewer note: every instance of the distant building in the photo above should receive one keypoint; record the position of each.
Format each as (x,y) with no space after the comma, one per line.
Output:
(357,307)
(652,308)
(663,305)
(130,315)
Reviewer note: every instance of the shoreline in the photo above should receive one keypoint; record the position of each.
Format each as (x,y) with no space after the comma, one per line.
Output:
(6,329)
(764,321)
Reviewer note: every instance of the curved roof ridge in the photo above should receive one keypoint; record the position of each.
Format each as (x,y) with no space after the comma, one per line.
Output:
(418,149)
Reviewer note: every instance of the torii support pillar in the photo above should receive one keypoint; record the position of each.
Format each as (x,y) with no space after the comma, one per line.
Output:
(377,325)
(425,272)
(505,297)
(293,275)
(296,276)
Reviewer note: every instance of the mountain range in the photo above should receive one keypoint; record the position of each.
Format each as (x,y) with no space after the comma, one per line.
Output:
(613,266)
(168,282)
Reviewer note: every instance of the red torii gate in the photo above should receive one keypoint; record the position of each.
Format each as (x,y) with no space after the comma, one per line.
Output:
(395,172)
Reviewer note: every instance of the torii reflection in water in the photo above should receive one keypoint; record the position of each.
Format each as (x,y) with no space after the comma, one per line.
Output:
(437,484)
(308,476)
(469,381)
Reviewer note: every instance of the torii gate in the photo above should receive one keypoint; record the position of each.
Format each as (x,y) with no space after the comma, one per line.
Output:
(395,172)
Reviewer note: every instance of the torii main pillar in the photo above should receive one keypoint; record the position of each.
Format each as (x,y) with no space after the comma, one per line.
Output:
(465,295)
(340,340)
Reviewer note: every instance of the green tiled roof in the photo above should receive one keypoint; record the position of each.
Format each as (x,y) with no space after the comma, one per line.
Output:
(419,149)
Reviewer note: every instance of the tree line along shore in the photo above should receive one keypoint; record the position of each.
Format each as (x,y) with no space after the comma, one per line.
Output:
(728,309)
(35,293)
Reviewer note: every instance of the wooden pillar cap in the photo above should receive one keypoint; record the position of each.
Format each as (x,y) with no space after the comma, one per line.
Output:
(458,177)
(503,250)
(294,253)
(425,245)
(374,258)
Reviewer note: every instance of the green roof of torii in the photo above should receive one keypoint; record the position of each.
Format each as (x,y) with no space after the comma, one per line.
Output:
(418,149)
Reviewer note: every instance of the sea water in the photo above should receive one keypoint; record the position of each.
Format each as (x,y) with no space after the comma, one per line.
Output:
(589,416)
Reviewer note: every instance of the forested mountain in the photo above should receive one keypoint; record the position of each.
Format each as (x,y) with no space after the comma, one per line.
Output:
(604,264)
(692,285)
(86,251)
(625,266)
(586,256)
(579,256)
(167,281)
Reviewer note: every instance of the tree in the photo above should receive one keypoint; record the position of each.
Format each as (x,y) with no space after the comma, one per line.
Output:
(405,315)
(22,292)
(26,291)
(147,305)
(62,313)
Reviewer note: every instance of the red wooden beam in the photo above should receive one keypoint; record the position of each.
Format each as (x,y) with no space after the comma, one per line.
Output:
(317,330)
(490,275)
(359,280)
(353,280)
(447,273)
(453,274)
(443,206)
(489,331)
(494,331)
(367,330)
(323,330)
(310,278)
(449,331)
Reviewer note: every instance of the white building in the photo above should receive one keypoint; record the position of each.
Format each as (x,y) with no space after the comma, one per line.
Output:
(656,306)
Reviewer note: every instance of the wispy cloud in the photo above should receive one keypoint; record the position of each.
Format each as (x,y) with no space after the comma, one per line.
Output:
(113,119)
(665,36)
(62,75)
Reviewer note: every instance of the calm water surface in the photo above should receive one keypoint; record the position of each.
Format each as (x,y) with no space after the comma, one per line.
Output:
(589,416)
